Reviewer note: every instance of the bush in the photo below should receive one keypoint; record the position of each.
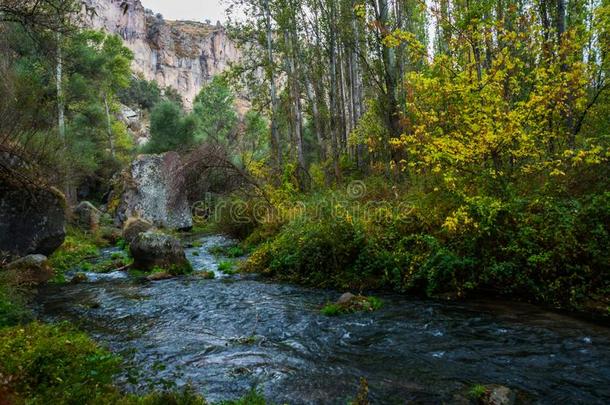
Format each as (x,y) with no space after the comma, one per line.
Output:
(12,305)
(54,364)
(542,248)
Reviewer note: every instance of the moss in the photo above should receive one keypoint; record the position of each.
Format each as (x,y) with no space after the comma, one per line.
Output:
(77,247)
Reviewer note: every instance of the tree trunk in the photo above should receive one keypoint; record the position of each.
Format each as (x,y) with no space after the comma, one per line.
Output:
(275,136)
(109,126)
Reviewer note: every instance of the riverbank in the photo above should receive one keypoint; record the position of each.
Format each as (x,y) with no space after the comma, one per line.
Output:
(239,330)
(545,249)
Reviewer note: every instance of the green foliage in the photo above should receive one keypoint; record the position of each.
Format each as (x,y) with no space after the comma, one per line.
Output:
(187,396)
(477,391)
(54,364)
(254,397)
(227,267)
(141,93)
(77,247)
(170,129)
(543,248)
(233,251)
(208,275)
(12,304)
(357,304)
(214,113)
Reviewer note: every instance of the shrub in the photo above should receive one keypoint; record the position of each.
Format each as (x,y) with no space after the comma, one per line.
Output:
(12,305)
(54,364)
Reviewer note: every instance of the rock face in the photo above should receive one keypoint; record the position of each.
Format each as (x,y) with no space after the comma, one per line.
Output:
(154,189)
(86,216)
(31,269)
(152,250)
(32,219)
(181,54)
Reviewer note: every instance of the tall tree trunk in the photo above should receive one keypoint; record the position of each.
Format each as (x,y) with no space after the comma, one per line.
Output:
(390,70)
(275,136)
(61,124)
(69,189)
(295,105)
(317,120)
(109,126)
(334,119)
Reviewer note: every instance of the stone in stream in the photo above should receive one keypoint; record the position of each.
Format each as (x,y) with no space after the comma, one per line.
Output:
(153,250)
(133,227)
(79,278)
(154,188)
(86,216)
(32,219)
(346,298)
(30,270)
(499,395)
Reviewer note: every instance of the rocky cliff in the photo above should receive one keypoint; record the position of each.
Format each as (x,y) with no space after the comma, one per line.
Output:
(181,54)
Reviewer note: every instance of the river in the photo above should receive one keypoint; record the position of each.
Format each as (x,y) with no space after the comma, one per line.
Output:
(227,335)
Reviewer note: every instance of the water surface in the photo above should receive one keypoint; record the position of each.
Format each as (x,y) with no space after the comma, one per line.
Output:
(226,335)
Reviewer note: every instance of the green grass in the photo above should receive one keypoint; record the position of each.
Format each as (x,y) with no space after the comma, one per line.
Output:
(76,249)
(477,391)
(57,364)
(331,310)
(227,267)
(12,305)
(254,397)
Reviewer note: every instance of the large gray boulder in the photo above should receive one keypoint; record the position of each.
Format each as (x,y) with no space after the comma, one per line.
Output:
(86,216)
(153,250)
(154,188)
(133,227)
(32,219)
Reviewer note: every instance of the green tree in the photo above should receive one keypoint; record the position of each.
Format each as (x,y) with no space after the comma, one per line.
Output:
(214,112)
(170,128)
(141,93)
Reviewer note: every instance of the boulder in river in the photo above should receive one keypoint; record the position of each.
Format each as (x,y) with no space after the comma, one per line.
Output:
(32,219)
(31,269)
(154,188)
(133,227)
(86,216)
(153,250)
(499,395)
(346,298)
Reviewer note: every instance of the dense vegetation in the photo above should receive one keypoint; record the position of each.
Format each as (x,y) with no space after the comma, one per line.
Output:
(482,146)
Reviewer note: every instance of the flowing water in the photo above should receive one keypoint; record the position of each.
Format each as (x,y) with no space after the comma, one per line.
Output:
(226,335)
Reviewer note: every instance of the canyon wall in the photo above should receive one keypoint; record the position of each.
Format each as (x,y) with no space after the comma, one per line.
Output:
(180,54)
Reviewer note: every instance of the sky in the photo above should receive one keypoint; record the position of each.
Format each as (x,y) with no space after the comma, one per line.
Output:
(195,10)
